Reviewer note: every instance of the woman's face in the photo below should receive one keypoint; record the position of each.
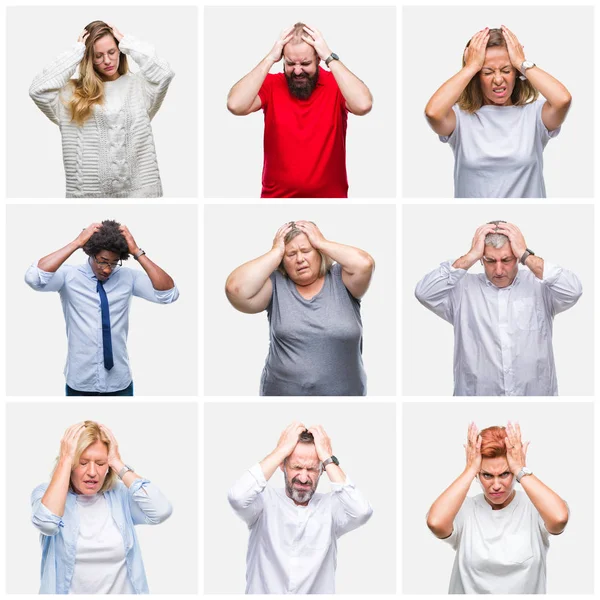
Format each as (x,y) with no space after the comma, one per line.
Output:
(497,77)
(301,261)
(497,481)
(88,476)
(106,58)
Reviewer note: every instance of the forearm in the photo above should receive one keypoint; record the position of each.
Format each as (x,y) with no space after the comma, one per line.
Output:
(356,94)
(270,463)
(465,262)
(444,510)
(552,508)
(242,94)
(52,262)
(352,260)
(161,280)
(248,279)
(55,497)
(441,103)
(335,473)
(535,265)
(556,94)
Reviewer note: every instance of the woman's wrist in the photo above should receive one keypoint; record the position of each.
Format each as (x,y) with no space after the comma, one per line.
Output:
(116,465)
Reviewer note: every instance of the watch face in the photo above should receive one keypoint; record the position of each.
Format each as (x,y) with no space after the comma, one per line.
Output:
(527,64)
(335,461)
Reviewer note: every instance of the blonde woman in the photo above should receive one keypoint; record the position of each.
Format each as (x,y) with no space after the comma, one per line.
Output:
(490,114)
(86,517)
(104,113)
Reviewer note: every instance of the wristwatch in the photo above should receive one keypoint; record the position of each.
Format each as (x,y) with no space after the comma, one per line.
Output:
(526,64)
(140,253)
(332,56)
(523,473)
(527,253)
(331,459)
(124,470)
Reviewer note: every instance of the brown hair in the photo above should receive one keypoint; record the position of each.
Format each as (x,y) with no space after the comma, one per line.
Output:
(471,99)
(88,88)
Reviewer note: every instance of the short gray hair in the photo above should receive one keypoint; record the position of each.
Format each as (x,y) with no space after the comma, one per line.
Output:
(496,240)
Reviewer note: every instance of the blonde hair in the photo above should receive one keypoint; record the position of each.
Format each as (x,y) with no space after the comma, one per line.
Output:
(326,262)
(90,435)
(471,99)
(88,88)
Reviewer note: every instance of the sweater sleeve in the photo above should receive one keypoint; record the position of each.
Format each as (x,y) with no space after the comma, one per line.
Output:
(156,73)
(45,89)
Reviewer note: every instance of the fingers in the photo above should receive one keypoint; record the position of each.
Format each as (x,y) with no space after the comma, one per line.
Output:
(309,40)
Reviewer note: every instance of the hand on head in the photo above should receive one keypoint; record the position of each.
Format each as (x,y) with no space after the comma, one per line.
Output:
(516,450)
(314,38)
(474,55)
(277,51)
(68,443)
(478,243)
(113,452)
(132,247)
(83,36)
(312,232)
(289,438)
(515,237)
(473,450)
(322,442)
(279,239)
(514,47)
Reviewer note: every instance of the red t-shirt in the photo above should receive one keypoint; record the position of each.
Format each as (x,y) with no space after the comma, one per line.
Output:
(305,140)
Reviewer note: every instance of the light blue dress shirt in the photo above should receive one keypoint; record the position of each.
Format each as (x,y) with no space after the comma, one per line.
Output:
(141,503)
(84,370)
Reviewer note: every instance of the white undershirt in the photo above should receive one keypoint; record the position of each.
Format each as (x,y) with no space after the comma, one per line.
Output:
(100,566)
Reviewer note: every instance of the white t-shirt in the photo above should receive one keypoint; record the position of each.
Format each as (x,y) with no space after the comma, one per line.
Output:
(498,151)
(499,551)
(100,566)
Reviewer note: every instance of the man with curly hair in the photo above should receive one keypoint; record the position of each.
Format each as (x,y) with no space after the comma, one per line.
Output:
(96,297)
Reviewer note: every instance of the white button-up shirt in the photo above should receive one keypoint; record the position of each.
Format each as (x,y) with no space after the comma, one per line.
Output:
(293,549)
(502,336)
(77,286)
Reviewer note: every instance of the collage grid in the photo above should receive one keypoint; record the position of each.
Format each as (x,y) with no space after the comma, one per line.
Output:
(195,414)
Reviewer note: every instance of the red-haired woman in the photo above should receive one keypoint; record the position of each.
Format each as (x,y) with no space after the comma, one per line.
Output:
(501,537)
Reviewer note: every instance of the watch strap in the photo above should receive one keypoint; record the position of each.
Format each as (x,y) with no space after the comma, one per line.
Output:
(331,459)
(523,473)
(140,253)
(528,252)
(332,56)
(124,470)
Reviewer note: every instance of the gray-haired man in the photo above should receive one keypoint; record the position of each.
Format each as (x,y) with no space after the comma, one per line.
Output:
(503,318)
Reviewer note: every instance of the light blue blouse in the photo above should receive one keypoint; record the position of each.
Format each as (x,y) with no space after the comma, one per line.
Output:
(141,503)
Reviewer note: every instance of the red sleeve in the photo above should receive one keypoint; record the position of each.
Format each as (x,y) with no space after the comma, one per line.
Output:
(265,91)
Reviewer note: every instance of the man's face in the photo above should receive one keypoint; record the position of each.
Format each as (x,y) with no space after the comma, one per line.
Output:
(104,263)
(301,68)
(500,264)
(497,481)
(302,470)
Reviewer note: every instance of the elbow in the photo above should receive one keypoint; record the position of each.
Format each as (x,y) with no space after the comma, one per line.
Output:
(420,293)
(234,500)
(232,288)
(47,528)
(564,102)
(559,522)
(439,529)
(161,515)
(234,107)
(367,263)
(365,514)
(363,107)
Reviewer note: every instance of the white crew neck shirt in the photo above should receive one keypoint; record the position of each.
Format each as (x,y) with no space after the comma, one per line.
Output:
(498,151)
(100,566)
(499,551)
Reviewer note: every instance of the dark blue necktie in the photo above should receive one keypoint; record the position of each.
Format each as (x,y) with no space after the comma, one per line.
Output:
(106,339)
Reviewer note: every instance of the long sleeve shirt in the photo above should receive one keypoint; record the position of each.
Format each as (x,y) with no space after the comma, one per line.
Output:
(502,336)
(112,154)
(293,549)
(77,286)
(141,503)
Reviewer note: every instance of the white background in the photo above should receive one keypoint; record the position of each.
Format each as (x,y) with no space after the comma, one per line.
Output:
(233,150)
(35,166)
(561,455)
(558,39)
(432,234)
(236,344)
(158,440)
(360,434)
(162,343)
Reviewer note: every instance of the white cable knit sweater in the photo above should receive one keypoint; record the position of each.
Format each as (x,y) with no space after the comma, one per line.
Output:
(112,155)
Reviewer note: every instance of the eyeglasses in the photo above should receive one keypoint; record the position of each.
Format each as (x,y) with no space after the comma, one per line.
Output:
(113,266)
(98,59)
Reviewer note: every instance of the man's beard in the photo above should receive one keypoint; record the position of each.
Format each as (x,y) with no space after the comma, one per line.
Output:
(302,91)
(300,496)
